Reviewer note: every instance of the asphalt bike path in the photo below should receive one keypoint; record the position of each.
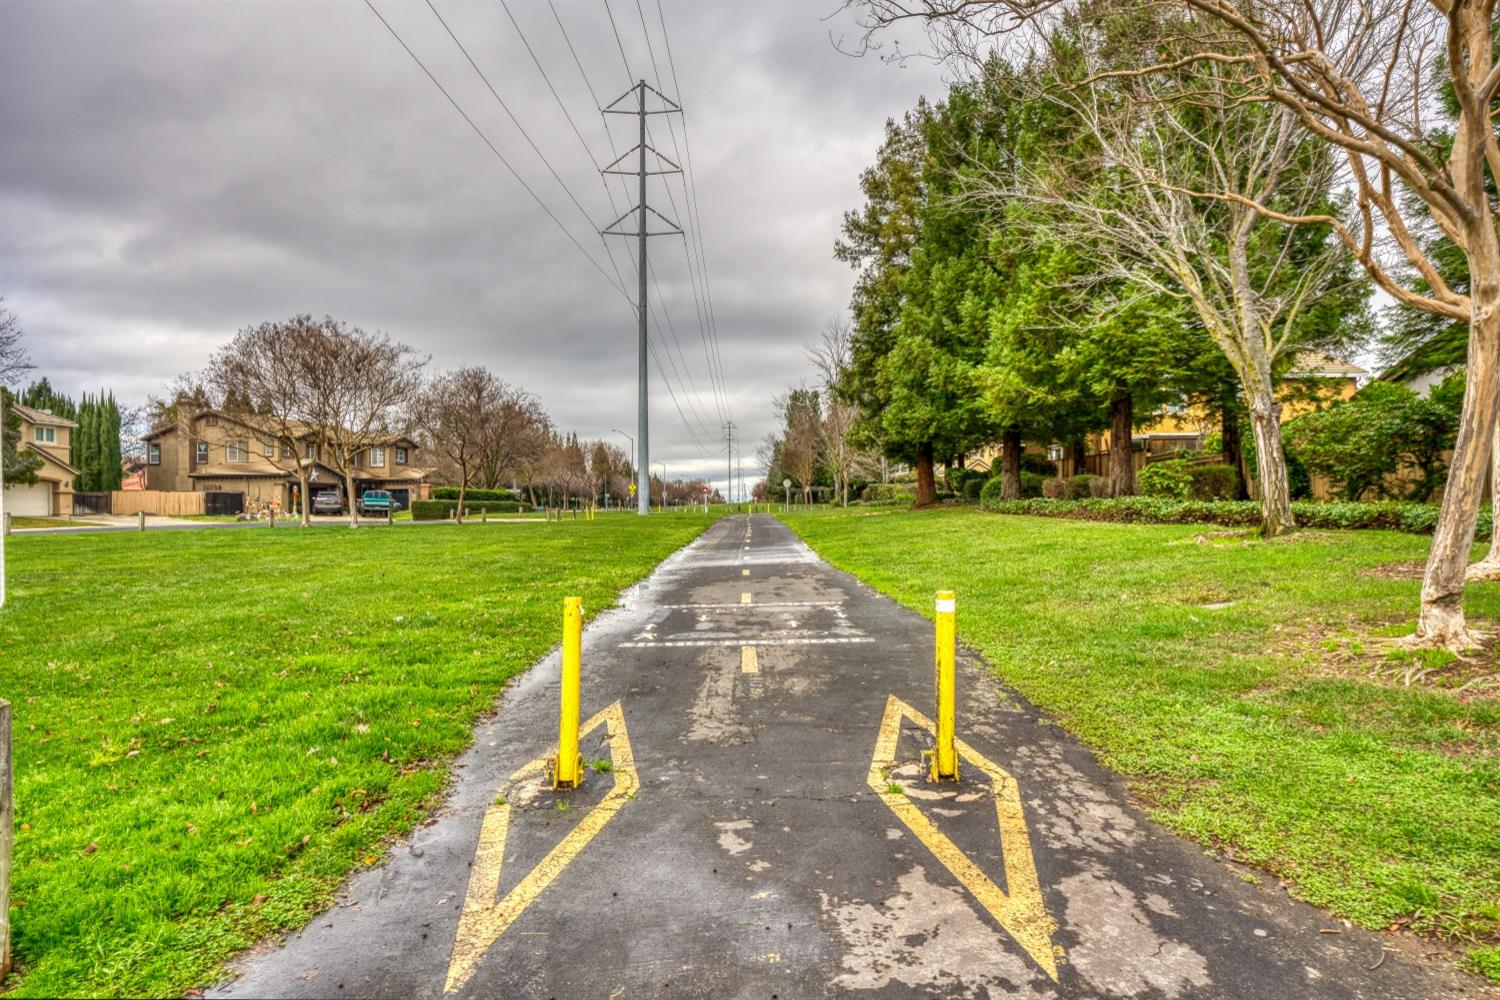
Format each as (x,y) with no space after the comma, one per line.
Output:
(757,822)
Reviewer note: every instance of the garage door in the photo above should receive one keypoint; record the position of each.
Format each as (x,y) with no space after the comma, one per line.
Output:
(29,501)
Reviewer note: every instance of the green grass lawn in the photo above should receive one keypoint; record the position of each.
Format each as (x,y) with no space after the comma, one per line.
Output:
(1206,667)
(22,521)
(213,727)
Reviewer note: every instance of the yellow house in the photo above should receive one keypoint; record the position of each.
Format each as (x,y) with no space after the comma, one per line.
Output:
(214,451)
(50,437)
(1315,380)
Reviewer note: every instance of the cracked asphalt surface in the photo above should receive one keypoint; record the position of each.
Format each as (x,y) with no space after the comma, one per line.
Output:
(760,856)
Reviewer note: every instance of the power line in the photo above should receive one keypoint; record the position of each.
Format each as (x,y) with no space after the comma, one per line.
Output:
(690,191)
(689,386)
(498,155)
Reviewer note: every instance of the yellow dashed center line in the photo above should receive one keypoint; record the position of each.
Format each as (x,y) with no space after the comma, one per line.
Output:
(744,598)
(744,572)
(749,662)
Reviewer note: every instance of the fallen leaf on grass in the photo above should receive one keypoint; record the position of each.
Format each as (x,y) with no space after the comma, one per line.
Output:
(90,849)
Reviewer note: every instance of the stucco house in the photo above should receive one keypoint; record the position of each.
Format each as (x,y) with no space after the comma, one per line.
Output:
(213,451)
(50,437)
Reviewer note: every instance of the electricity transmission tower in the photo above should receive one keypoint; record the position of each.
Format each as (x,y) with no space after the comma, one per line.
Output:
(729,458)
(641,233)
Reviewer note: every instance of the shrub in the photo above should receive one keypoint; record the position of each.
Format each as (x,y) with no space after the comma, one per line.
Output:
(1055,488)
(944,495)
(1031,485)
(1039,463)
(990,495)
(1212,482)
(451,493)
(1085,485)
(957,479)
(973,486)
(441,510)
(1386,440)
(1395,515)
(888,492)
(1165,479)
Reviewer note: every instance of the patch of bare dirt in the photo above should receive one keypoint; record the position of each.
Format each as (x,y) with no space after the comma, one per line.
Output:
(1395,571)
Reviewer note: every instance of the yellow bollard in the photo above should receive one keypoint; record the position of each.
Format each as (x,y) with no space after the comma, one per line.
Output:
(945,756)
(567,771)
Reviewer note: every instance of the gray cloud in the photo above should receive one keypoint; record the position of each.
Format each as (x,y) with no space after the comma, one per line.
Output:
(174,172)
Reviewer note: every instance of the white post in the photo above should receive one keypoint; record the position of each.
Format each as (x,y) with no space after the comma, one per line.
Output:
(140,520)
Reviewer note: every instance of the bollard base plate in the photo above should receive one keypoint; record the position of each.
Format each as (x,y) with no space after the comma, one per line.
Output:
(930,756)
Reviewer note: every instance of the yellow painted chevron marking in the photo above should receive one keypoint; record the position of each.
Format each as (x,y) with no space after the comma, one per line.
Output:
(1020,911)
(749,660)
(484,919)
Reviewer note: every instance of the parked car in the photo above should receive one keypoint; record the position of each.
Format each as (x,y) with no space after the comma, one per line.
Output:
(328,502)
(377,502)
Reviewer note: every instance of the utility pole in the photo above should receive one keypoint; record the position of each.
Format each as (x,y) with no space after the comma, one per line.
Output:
(729,467)
(643,477)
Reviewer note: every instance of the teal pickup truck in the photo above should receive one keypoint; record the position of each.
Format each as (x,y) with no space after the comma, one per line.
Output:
(377,502)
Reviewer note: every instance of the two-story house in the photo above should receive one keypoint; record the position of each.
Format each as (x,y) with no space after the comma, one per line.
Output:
(212,451)
(50,437)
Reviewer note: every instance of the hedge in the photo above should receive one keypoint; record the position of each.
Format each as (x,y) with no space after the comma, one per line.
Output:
(441,510)
(451,493)
(890,491)
(1395,515)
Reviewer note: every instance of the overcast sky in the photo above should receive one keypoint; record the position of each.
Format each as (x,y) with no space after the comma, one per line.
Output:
(170,173)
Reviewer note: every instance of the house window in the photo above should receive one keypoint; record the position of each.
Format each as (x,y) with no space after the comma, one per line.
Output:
(286,452)
(46,435)
(377,457)
(237,451)
(309,453)
(400,456)
(202,452)
(269,447)
(153,453)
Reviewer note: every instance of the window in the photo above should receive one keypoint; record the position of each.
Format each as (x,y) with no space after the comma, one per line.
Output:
(269,447)
(377,457)
(46,435)
(153,453)
(310,454)
(400,456)
(202,452)
(286,452)
(237,451)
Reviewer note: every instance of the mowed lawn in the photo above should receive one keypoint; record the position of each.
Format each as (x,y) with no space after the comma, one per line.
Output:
(1229,679)
(213,727)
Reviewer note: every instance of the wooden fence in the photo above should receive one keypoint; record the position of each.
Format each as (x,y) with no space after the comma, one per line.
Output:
(168,503)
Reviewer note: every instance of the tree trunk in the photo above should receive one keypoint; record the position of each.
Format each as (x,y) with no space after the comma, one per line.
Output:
(302,497)
(1441,622)
(463,492)
(1121,461)
(1488,568)
(926,487)
(353,506)
(1010,451)
(1234,455)
(1270,460)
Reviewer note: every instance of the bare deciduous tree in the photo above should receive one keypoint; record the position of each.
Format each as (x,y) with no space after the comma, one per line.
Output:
(361,396)
(1174,219)
(522,432)
(460,410)
(13,360)
(830,355)
(267,371)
